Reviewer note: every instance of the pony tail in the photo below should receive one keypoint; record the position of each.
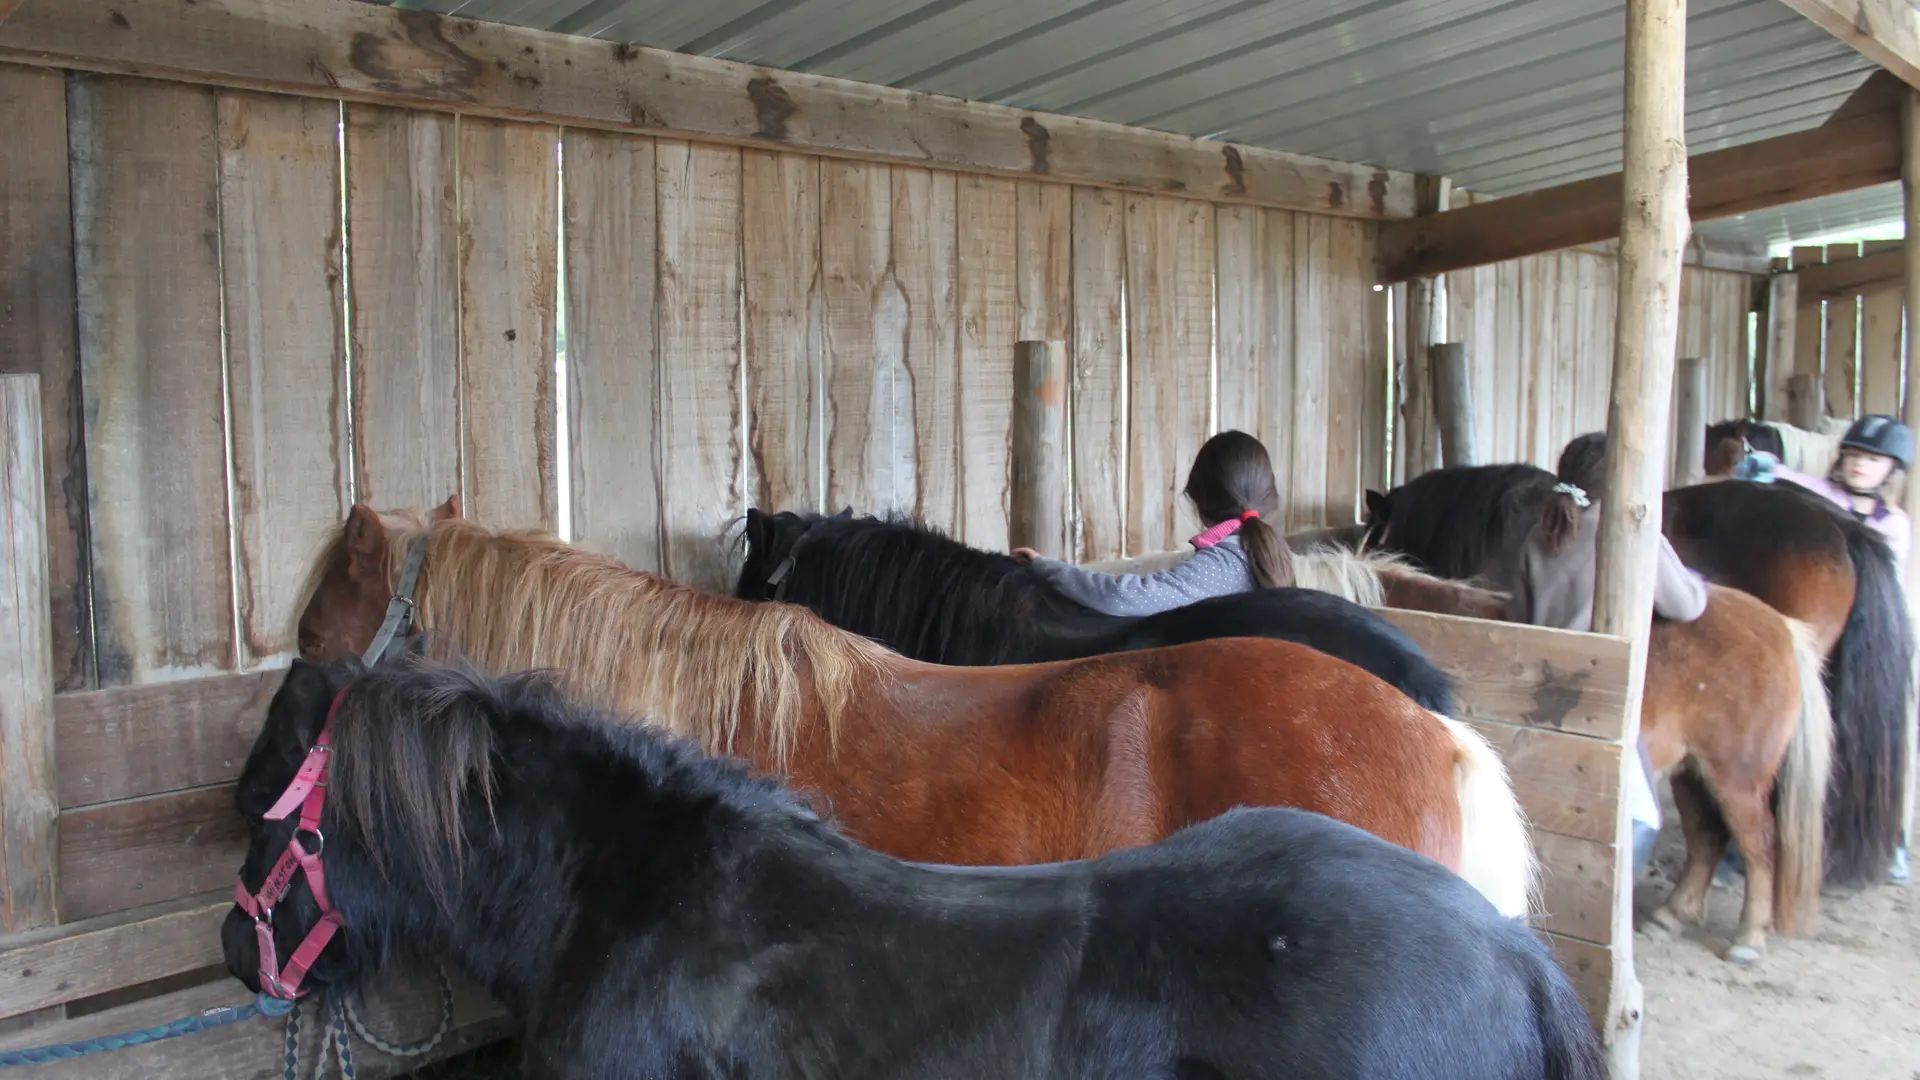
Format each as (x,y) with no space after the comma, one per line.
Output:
(1559,519)
(1267,554)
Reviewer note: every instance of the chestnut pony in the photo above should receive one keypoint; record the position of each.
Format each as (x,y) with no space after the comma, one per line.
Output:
(1798,553)
(979,766)
(1735,714)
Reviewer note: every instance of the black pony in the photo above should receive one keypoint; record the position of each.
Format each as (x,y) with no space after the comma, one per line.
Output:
(932,598)
(1464,521)
(644,911)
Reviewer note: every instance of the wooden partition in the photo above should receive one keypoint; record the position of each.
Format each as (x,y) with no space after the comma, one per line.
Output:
(1553,703)
(1844,327)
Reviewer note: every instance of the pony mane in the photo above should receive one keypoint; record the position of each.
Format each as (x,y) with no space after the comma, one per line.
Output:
(1425,512)
(692,661)
(921,589)
(1350,575)
(416,741)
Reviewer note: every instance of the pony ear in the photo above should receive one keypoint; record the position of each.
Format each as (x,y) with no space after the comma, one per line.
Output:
(845,514)
(449,509)
(366,535)
(1376,505)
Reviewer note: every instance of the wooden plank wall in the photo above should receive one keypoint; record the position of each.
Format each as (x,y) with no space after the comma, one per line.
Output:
(249,311)
(1539,336)
(1853,342)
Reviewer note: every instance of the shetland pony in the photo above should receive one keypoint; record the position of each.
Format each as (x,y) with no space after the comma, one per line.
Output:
(993,766)
(932,598)
(1734,712)
(1800,554)
(644,911)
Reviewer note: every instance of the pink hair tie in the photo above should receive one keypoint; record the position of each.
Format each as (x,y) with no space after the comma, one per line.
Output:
(1249,515)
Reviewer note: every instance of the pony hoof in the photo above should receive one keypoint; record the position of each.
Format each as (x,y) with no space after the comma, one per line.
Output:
(1662,924)
(1744,955)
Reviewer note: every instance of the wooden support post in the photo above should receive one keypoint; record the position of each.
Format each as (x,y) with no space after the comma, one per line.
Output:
(1037,517)
(29,808)
(1453,403)
(1690,422)
(1426,299)
(1783,308)
(1910,407)
(1653,231)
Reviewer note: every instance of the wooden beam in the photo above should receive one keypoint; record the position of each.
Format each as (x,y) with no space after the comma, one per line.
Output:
(1838,157)
(1037,514)
(29,807)
(1783,309)
(1879,94)
(1851,277)
(78,960)
(1886,32)
(1653,229)
(342,49)
(1426,300)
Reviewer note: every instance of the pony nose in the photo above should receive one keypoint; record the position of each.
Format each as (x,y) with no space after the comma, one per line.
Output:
(240,948)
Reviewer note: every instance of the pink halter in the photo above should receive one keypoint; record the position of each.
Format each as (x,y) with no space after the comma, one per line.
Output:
(1221,531)
(308,791)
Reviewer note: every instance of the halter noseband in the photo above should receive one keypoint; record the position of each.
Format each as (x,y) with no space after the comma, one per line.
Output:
(308,791)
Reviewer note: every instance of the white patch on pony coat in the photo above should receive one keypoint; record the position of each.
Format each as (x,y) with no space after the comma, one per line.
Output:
(1496,852)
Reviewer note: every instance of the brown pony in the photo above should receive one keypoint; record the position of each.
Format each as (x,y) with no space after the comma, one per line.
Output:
(1734,711)
(967,765)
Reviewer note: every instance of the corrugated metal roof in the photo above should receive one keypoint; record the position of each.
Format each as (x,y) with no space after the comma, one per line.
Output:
(1504,96)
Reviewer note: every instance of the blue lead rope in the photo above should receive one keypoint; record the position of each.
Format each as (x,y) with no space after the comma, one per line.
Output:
(262,1005)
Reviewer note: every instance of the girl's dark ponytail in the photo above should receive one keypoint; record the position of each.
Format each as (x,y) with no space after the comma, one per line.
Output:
(1267,553)
(1582,469)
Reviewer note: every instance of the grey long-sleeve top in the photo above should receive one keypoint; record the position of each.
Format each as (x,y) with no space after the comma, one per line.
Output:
(1213,571)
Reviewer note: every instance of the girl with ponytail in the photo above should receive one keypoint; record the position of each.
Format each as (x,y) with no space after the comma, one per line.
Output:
(1233,490)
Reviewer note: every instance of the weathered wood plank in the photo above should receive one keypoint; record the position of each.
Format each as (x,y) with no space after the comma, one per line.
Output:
(786,343)
(699,317)
(336,49)
(254,1050)
(1590,968)
(1255,328)
(1810,326)
(1883,264)
(1576,886)
(1348,346)
(147,851)
(29,811)
(37,335)
(1043,235)
(280,241)
(1374,345)
(1037,502)
(1099,372)
(613,369)
(1528,675)
(1307,427)
(1824,160)
(990,284)
(1566,784)
(403,226)
(146,232)
(78,960)
(1881,326)
(1842,359)
(147,740)
(1170,258)
(508,240)
(870,443)
(925,268)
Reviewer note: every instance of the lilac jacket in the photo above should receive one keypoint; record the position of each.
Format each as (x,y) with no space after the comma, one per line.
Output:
(1887,520)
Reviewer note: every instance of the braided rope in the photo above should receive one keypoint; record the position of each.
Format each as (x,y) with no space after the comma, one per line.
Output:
(407,1050)
(262,1005)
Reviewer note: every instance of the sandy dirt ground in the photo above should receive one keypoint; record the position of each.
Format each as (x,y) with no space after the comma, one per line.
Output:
(1843,1005)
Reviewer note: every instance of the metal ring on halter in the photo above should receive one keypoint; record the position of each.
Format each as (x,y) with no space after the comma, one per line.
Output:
(319,847)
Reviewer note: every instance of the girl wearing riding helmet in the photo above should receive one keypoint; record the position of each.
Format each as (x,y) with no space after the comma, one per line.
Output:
(1873,447)
(1554,583)
(1232,487)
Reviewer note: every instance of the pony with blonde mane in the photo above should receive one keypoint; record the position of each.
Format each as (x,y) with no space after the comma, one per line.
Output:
(980,766)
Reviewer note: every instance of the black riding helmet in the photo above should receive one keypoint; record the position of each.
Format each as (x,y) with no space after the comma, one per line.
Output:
(1879,434)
